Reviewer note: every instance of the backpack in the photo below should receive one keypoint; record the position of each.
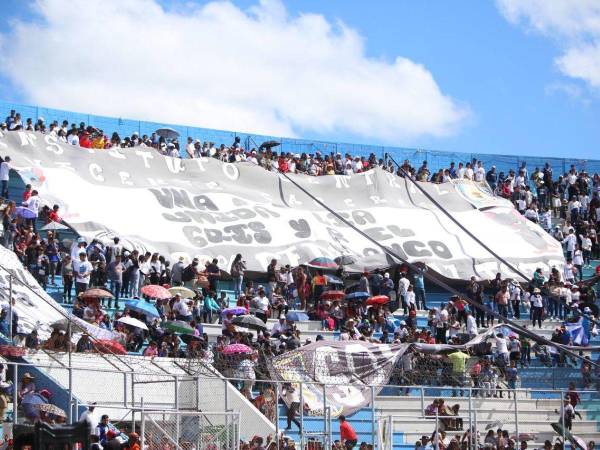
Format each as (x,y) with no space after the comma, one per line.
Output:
(188,273)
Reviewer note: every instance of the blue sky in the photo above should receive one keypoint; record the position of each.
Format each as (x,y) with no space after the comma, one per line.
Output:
(507,91)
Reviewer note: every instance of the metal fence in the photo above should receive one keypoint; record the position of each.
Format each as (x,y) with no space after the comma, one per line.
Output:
(211,411)
(436,159)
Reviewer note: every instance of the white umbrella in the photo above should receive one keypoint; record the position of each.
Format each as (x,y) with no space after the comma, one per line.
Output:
(53,226)
(167,133)
(133,322)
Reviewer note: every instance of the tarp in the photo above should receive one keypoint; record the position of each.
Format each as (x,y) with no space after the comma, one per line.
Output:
(346,374)
(34,307)
(206,208)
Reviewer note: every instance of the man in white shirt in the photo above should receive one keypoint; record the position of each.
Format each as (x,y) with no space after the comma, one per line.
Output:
(402,289)
(479,172)
(471,325)
(571,242)
(32,204)
(83,269)
(279,328)
(5,176)
(189,148)
(181,309)
(261,304)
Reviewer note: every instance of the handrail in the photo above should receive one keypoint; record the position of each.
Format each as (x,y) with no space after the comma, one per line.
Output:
(58,309)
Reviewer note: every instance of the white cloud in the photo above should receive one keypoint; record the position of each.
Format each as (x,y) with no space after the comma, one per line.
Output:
(218,66)
(575,25)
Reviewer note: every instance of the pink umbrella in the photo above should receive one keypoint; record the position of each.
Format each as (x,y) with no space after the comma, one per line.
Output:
(237,349)
(156,291)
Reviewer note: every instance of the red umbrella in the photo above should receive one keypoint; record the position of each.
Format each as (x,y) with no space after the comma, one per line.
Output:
(108,346)
(333,295)
(156,291)
(237,349)
(378,300)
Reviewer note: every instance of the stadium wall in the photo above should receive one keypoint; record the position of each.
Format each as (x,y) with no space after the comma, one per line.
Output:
(436,159)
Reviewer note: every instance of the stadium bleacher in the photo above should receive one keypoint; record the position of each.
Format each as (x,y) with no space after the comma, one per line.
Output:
(123,385)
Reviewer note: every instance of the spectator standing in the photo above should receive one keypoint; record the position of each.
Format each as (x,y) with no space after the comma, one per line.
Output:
(115,271)
(5,176)
(347,434)
(83,270)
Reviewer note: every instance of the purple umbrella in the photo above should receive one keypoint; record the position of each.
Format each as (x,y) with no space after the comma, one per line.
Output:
(26,213)
(236,311)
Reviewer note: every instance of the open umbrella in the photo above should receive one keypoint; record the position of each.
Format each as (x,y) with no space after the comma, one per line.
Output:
(333,295)
(183,291)
(237,349)
(333,280)
(54,226)
(249,321)
(25,213)
(323,262)
(178,326)
(133,322)
(296,316)
(358,295)
(60,325)
(108,346)
(142,307)
(235,310)
(187,338)
(345,260)
(269,144)
(167,133)
(49,408)
(97,293)
(156,291)
(378,300)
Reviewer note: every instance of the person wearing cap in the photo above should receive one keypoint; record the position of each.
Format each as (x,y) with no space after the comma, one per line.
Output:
(537,307)
(26,385)
(84,344)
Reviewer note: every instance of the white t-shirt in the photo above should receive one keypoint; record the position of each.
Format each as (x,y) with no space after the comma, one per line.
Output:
(33,203)
(403,286)
(471,325)
(73,139)
(479,174)
(82,271)
(4,171)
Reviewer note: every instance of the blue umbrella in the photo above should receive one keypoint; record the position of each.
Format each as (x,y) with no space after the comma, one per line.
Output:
(142,307)
(295,316)
(357,295)
(333,280)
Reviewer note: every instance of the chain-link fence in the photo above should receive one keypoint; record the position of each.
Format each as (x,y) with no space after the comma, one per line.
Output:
(190,430)
(206,411)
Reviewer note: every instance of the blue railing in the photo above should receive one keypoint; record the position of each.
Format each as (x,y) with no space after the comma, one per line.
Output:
(436,159)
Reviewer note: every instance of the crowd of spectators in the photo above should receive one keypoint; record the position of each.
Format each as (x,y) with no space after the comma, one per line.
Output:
(571,201)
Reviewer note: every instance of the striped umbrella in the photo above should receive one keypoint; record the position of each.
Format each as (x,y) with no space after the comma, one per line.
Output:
(323,262)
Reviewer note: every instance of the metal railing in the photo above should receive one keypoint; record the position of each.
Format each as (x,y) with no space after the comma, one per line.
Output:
(525,413)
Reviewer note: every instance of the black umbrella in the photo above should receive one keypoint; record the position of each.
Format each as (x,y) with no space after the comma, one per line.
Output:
(188,338)
(249,321)
(167,133)
(345,260)
(269,144)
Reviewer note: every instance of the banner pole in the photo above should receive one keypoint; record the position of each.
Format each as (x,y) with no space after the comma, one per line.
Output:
(373,423)
(301,416)
(277,414)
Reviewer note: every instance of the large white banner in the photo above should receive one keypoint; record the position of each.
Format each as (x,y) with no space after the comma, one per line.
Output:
(206,208)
